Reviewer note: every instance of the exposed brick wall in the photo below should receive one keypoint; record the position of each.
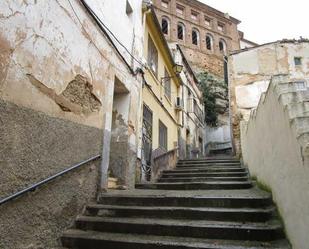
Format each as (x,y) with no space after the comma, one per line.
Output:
(199,55)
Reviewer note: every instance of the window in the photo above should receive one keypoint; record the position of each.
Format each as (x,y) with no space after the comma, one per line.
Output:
(164,3)
(194,15)
(195,37)
(207,22)
(152,58)
(297,61)
(180,31)
(167,84)
(162,135)
(164,25)
(180,9)
(209,42)
(221,27)
(222,46)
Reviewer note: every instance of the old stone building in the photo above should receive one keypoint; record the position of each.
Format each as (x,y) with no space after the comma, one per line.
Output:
(204,33)
(251,70)
(269,99)
(206,36)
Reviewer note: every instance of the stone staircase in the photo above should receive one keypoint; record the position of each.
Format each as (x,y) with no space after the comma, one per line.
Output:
(294,96)
(201,204)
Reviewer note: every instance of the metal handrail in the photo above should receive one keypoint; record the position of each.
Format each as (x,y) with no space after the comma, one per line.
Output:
(38,184)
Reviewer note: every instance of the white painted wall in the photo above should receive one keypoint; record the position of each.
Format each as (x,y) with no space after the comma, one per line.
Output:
(128,28)
(272,152)
(251,70)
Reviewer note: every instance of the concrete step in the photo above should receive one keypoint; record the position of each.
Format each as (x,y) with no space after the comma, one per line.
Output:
(207,170)
(209,174)
(300,124)
(298,109)
(205,179)
(266,231)
(211,160)
(79,239)
(208,162)
(208,165)
(293,97)
(230,200)
(176,212)
(196,185)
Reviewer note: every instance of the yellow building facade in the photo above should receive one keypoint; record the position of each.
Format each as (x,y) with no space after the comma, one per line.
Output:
(161,114)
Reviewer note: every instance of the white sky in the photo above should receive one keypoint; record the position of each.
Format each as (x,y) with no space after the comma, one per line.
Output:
(267,20)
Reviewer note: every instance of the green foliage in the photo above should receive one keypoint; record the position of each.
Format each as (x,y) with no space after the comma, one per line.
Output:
(212,89)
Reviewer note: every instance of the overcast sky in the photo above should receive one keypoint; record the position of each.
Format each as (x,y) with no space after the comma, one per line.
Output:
(267,20)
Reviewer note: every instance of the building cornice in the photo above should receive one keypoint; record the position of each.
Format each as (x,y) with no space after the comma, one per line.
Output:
(206,8)
(195,24)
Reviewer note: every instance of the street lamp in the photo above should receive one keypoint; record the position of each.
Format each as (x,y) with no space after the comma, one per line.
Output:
(177,69)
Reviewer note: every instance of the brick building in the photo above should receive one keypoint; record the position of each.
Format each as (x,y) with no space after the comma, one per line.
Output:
(204,33)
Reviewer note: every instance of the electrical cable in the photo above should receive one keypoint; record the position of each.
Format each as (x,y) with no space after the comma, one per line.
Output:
(112,34)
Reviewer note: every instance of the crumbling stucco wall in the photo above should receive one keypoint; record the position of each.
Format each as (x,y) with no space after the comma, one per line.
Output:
(38,219)
(57,74)
(273,154)
(250,71)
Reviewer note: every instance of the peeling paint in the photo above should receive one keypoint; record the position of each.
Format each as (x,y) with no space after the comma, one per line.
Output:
(77,97)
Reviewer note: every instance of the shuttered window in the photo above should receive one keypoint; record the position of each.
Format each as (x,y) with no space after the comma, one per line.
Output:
(162,135)
(152,58)
(167,84)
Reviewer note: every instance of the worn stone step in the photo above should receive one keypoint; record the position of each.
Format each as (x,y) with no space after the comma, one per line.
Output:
(204,179)
(297,109)
(206,170)
(207,165)
(195,185)
(211,160)
(80,239)
(293,97)
(184,228)
(229,200)
(208,162)
(300,124)
(176,212)
(219,174)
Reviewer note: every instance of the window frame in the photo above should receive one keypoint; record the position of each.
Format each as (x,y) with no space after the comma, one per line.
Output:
(180,24)
(298,61)
(210,43)
(164,18)
(180,7)
(152,57)
(163,136)
(167,85)
(194,30)
(224,46)
(194,14)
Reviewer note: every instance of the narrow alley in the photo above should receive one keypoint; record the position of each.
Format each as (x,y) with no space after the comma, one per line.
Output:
(151,124)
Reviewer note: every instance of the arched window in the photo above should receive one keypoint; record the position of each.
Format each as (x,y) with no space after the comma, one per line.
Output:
(180,31)
(165,25)
(195,37)
(222,46)
(209,42)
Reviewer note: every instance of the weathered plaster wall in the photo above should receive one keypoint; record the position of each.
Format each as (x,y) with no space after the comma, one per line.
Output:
(35,146)
(272,152)
(57,76)
(38,219)
(250,71)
